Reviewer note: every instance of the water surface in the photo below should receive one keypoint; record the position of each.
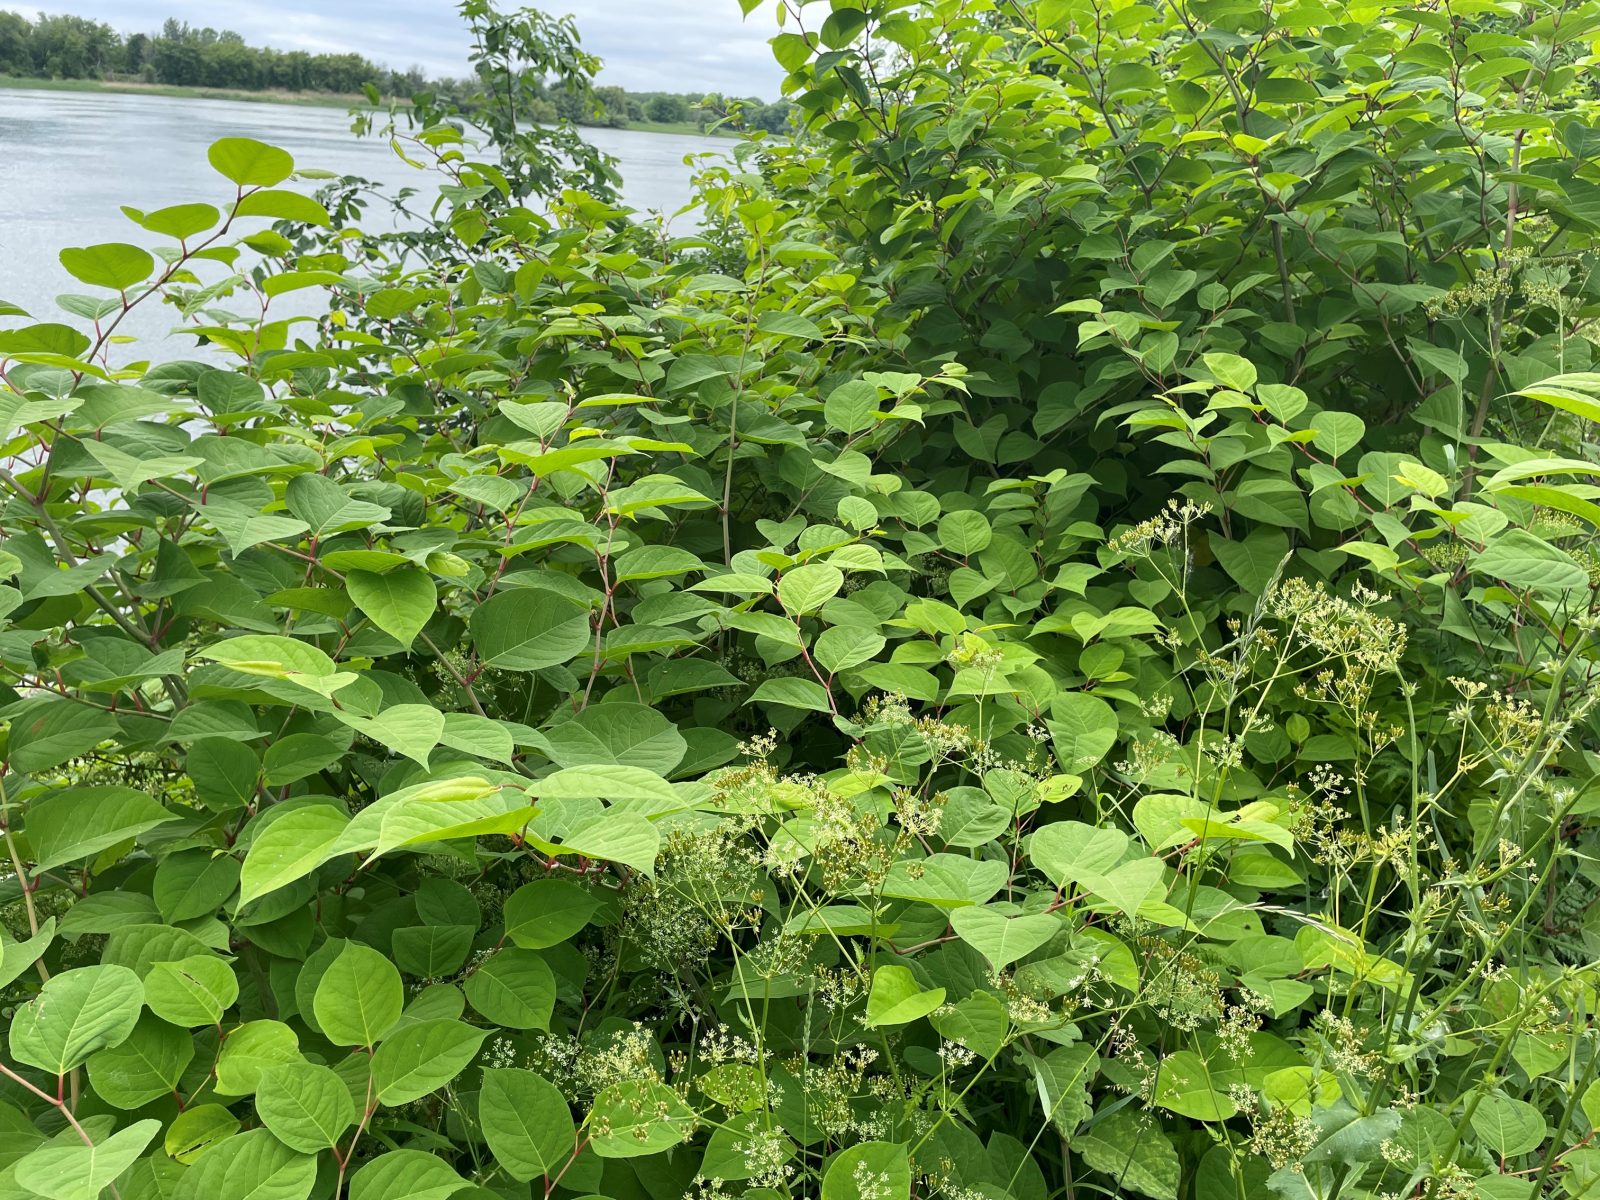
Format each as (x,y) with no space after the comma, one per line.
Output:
(70,160)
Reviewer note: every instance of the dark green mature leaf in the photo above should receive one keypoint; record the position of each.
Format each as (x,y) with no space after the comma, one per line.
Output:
(327,508)
(1525,561)
(78,822)
(548,912)
(48,733)
(624,735)
(1132,1150)
(144,1067)
(525,630)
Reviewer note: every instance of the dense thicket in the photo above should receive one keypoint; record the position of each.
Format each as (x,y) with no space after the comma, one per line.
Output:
(51,46)
(1047,651)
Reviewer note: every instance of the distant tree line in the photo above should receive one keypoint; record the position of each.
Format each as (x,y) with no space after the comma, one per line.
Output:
(67,47)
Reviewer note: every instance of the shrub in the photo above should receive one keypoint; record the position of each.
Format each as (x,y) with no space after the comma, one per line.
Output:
(1046,651)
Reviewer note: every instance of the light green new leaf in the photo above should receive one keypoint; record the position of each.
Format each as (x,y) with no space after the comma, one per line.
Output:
(445,809)
(807,588)
(478,736)
(413,730)
(66,1169)
(359,998)
(195,1130)
(1337,433)
(868,1171)
(620,837)
(192,991)
(114,265)
(897,999)
(290,848)
(1069,852)
(1231,371)
(129,471)
(283,206)
(270,655)
(980,1023)
(515,988)
(399,602)
(1083,728)
(243,527)
(527,1123)
(176,220)
(250,1051)
(406,1175)
(249,1166)
(602,781)
(420,1058)
(638,1117)
(1131,886)
(17,957)
(250,163)
(76,1013)
(307,1107)
(1185,1085)
(1003,939)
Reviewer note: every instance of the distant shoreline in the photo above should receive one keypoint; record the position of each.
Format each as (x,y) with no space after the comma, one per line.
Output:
(134,88)
(294,99)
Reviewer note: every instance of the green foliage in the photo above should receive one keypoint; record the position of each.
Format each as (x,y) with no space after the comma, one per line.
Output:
(1048,650)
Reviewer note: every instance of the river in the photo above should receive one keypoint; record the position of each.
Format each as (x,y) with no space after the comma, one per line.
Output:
(70,160)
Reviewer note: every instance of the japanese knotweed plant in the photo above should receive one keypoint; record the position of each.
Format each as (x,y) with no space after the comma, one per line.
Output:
(1045,650)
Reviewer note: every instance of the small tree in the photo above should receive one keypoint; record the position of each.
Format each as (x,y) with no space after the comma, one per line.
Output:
(667,110)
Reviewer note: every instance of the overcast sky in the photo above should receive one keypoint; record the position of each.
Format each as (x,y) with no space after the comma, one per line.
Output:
(647,45)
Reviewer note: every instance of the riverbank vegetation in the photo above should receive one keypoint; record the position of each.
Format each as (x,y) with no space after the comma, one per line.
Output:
(202,62)
(1047,651)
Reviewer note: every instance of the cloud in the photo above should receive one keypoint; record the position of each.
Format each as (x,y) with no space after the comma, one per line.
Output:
(647,45)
